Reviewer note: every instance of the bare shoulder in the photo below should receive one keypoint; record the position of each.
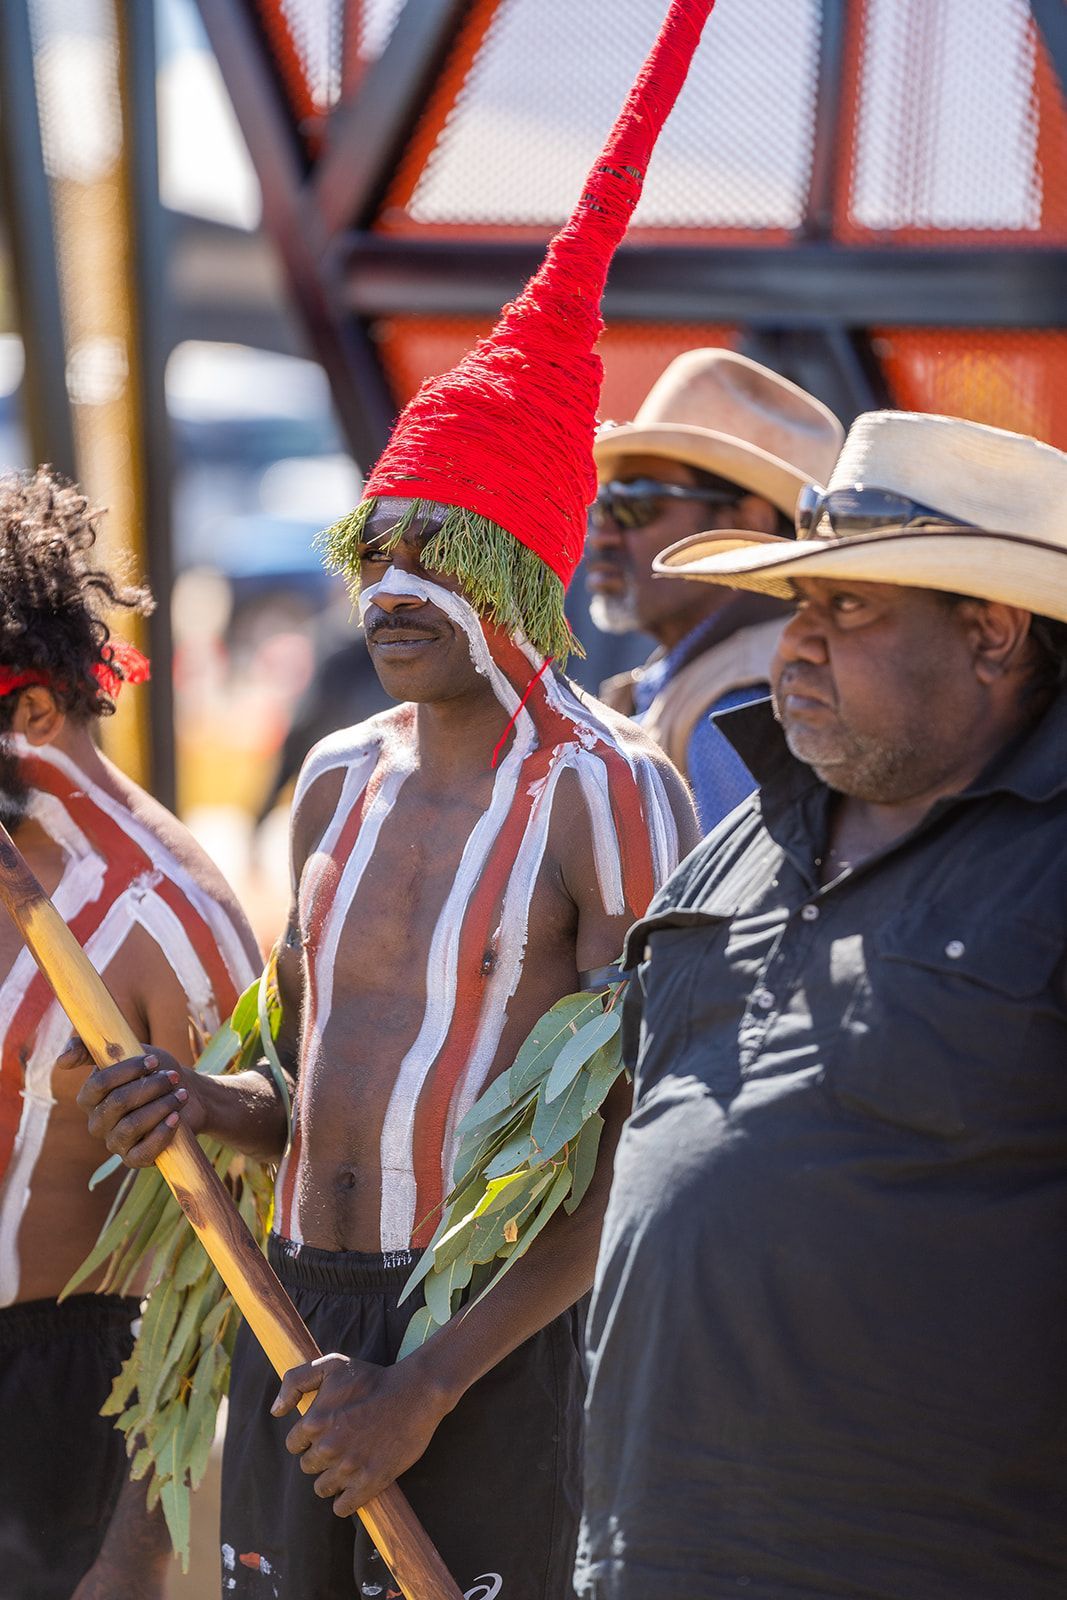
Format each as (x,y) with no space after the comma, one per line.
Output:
(643,752)
(189,856)
(346,757)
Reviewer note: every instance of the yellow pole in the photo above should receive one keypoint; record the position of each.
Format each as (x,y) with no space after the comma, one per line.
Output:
(401,1541)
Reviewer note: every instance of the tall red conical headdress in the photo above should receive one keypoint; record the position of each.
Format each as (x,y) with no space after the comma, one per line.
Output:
(505,438)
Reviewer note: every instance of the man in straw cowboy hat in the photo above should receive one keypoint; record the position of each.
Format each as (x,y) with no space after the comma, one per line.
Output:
(846,1173)
(720,442)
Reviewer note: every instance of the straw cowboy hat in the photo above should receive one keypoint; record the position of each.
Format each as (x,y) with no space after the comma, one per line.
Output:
(728,415)
(980,511)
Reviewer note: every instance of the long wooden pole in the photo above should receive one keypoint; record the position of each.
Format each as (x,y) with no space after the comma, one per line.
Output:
(271,1315)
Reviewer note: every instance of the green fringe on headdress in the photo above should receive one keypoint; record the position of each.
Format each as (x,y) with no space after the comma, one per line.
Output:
(504,581)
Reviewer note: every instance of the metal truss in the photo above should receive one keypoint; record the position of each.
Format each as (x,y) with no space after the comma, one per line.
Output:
(807,305)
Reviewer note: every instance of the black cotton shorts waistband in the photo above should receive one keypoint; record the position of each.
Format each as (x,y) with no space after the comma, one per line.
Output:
(304,1266)
(32,1321)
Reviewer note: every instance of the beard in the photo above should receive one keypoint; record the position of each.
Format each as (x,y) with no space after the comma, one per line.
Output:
(877,770)
(614,613)
(14,790)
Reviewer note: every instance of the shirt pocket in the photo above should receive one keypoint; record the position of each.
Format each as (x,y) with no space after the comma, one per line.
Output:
(674,959)
(935,1037)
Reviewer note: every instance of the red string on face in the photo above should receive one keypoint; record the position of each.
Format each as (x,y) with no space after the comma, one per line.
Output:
(508,433)
(526,693)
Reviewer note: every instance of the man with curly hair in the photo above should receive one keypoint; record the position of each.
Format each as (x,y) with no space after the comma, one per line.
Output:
(164,928)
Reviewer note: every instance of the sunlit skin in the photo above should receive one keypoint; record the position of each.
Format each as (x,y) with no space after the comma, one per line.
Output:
(369,1423)
(62,1216)
(624,594)
(896,697)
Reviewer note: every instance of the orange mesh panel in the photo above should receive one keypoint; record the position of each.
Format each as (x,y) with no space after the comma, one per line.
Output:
(1009,379)
(293,58)
(322,47)
(535,85)
(415,348)
(955,128)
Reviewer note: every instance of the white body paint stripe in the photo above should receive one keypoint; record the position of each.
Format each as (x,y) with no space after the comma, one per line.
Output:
(514,924)
(399,1183)
(593,777)
(37,1099)
(81,885)
(225,933)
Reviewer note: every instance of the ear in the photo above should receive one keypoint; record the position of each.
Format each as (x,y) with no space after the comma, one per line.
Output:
(755,515)
(997,635)
(38,716)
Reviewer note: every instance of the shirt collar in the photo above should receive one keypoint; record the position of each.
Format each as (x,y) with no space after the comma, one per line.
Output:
(1031,766)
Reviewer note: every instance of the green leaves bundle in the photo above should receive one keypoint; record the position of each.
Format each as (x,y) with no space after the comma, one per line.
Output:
(529,1146)
(166,1396)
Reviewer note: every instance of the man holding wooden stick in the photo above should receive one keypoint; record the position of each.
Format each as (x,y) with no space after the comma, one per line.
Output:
(164,928)
(459,864)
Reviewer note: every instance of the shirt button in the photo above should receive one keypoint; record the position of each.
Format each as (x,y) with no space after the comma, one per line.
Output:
(954,949)
(764,999)
(809,912)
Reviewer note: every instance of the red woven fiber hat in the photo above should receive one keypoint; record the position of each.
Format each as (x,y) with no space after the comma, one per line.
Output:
(505,438)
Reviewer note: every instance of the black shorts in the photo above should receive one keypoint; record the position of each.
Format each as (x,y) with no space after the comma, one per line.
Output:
(498,1490)
(61,1463)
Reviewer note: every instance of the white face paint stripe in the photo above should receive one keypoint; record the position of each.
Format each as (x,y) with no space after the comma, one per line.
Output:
(462,615)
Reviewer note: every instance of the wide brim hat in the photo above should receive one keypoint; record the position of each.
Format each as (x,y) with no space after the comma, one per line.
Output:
(1011,489)
(724,413)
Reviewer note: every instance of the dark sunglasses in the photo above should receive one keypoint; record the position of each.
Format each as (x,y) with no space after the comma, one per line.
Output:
(861,508)
(637,504)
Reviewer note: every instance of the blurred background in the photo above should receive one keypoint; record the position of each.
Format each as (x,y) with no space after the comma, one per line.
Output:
(236,234)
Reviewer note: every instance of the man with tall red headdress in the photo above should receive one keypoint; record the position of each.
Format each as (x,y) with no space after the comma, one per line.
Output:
(161,925)
(459,864)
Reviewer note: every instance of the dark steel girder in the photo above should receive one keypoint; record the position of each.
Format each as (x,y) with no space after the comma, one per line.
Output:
(28,219)
(338,341)
(1051,19)
(801,285)
(367,135)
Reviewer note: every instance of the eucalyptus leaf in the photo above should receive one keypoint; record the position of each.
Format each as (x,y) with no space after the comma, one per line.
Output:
(557,1122)
(175,1497)
(418,1331)
(104,1171)
(220,1051)
(192,1263)
(550,1205)
(518,1149)
(600,1076)
(577,1050)
(201,1414)
(493,1102)
(441,1287)
(547,1037)
(121,1388)
(581,1159)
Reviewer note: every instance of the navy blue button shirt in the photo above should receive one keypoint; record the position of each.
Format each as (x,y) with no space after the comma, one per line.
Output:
(828,1340)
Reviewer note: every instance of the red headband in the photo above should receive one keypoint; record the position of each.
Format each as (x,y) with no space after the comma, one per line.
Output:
(133,668)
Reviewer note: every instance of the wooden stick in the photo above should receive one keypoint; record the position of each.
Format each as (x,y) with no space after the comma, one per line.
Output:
(271,1315)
